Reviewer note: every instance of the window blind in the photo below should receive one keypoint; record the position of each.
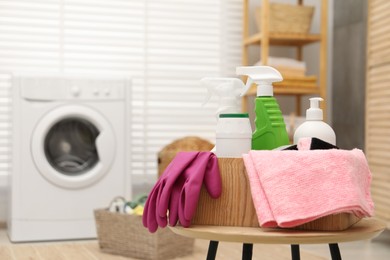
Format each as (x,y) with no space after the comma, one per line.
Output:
(5,126)
(165,46)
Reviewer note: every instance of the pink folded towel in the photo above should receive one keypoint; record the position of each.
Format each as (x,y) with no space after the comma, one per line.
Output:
(290,188)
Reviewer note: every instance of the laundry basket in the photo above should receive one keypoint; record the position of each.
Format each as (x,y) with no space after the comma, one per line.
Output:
(123,234)
(188,143)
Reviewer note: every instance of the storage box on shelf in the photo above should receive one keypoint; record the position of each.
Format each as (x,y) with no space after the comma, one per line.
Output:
(286,18)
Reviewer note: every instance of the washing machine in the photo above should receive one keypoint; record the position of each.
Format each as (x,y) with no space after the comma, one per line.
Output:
(69,154)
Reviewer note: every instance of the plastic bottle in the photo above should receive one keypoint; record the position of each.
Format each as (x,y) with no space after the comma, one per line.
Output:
(314,126)
(233,131)
(270,131)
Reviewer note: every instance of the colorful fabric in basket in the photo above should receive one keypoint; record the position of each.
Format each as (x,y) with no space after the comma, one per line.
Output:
(177,190)
(290,188)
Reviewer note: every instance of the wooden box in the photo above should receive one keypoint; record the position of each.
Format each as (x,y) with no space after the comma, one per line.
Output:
(235,206)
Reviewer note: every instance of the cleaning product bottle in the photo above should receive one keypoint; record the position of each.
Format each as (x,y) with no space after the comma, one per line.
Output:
(314,126)
(233,132)
(270,130)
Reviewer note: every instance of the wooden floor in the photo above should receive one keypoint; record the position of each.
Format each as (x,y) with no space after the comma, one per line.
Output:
(90,251)
(378,249)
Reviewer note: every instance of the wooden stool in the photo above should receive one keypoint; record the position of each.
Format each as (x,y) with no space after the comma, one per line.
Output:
(364,229)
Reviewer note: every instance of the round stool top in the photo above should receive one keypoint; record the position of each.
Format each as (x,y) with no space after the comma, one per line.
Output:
(364,229)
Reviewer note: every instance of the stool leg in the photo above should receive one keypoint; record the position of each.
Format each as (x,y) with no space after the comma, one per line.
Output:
(295,252)
(212,252)
(335,251)
(247,250)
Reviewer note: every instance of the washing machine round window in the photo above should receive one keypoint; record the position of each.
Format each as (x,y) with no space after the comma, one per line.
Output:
(70,146)
(73,146)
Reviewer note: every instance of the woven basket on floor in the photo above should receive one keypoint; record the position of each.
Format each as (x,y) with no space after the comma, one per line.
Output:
(124,234)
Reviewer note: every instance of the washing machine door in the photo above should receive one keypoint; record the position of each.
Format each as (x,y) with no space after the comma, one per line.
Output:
(73,146)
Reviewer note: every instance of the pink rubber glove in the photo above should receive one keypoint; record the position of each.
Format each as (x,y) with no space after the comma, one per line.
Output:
(180,184)
(189,196)
(165,182)
(182,201)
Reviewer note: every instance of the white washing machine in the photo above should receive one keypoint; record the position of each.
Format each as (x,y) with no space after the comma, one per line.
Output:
(69,155)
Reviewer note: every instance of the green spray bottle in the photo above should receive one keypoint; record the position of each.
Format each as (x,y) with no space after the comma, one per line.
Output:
(270,132)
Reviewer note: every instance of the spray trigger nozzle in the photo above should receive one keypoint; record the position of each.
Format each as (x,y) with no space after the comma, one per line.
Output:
(263,76)
(228,90)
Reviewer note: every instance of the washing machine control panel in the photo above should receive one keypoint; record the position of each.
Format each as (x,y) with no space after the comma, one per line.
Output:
(45,88)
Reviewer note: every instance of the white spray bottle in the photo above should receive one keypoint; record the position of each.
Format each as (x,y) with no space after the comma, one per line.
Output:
(233,132)
(314,126)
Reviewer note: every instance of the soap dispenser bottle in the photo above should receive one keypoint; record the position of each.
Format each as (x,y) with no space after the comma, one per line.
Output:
(233,131)
(270,132)
(314,126)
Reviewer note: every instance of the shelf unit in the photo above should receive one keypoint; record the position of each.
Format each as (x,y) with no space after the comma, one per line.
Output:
(265,39)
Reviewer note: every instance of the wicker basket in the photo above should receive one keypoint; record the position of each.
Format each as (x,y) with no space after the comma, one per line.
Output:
(124,234)
(189,143)
(285,18)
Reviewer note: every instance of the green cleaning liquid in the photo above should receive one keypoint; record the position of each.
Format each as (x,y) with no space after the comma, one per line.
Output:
(270,131)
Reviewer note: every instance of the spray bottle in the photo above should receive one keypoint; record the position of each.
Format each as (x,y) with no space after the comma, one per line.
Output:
(234,132)
(270,130)
(314,126)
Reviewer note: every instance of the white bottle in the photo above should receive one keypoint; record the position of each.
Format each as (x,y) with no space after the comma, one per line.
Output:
(233,131)
(314,126)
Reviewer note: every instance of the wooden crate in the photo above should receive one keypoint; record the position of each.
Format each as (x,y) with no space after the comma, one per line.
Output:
(235,206)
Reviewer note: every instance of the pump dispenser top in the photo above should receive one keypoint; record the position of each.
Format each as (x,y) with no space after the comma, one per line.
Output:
(314,126)
(270,130)
(315,112)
